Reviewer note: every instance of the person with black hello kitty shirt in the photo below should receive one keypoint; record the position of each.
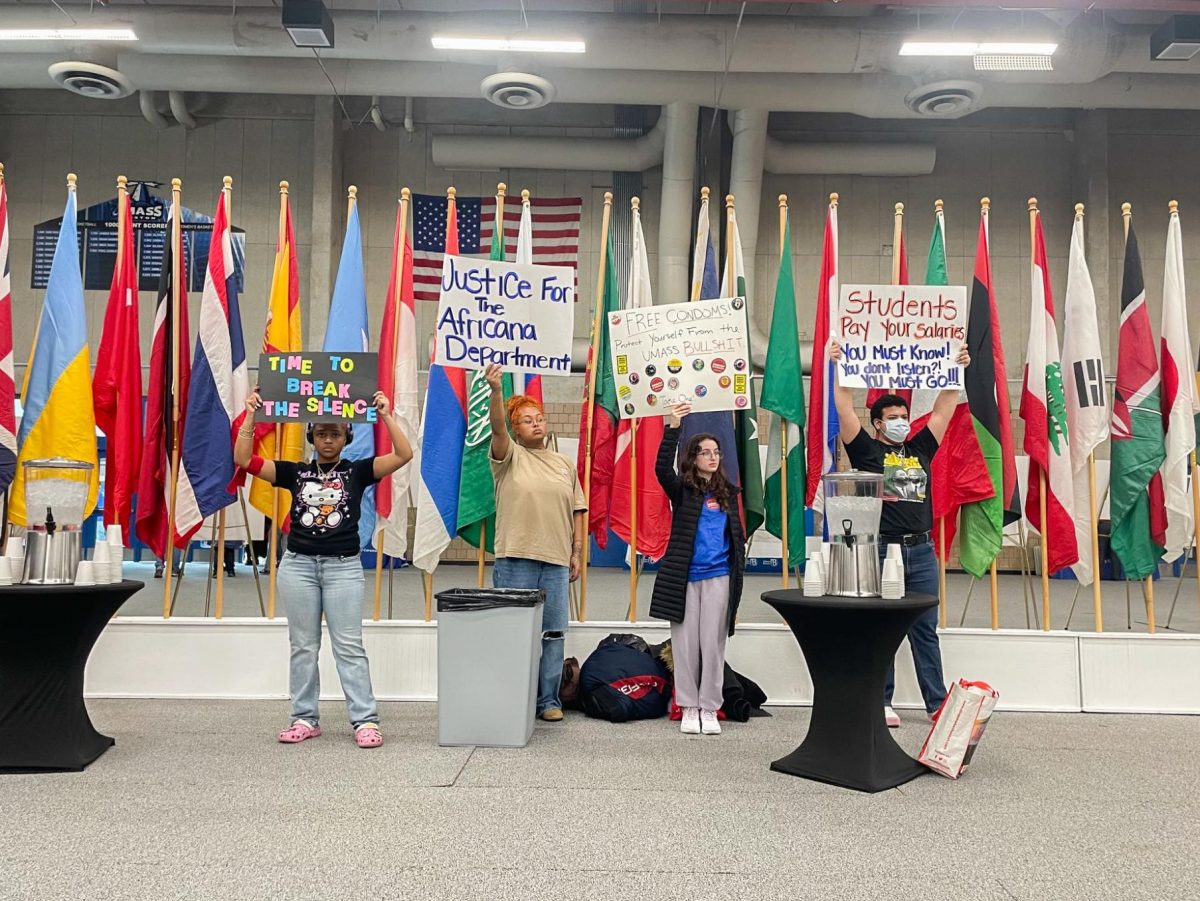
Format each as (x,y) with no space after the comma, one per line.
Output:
(321,572)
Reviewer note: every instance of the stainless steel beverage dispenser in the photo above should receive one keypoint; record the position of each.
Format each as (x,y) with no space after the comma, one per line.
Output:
(853,505)
(56,493)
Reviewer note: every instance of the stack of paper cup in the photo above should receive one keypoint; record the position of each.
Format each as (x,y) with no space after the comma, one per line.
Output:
(6,575)
(116,552)
(101,557)
(814,576)
(15,550)
(893,576)
(86,573)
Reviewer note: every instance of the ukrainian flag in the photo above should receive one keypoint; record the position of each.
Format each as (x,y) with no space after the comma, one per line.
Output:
(59,420)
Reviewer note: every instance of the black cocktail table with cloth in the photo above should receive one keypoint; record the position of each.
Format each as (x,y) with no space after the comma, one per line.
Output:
(848,644)
(46,635)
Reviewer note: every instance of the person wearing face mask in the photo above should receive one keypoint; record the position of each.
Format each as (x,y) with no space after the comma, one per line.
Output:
(539,524)
(904,458)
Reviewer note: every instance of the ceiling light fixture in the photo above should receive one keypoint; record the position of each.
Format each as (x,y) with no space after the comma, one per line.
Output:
(513,45)
(67,34)
(976,48)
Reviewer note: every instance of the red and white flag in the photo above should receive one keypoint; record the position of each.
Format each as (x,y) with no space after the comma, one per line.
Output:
(8,418)
(1178,397)
(822,414)
(529,384)
(1043,407)
(653,508)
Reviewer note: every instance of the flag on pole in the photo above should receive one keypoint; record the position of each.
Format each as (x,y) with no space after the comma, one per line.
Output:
(154,482)
(443,432)
(922,399)
(1044,410)
(525,383)
(745,422)
(8,419)
(653,508)
(823,426)
(604,413)
(59,420)
(117,383)
(398,380)
(705,286)
(220,383)
(282,333)
(347,329)
(1136,501)
(1084,390)
(1178,397)
(476,485)
(986,384)
(783,396)
(901,270)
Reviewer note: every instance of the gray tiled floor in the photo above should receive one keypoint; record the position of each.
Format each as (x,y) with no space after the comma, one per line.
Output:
(198,801)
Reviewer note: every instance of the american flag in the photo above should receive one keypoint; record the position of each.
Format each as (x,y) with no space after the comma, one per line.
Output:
(555,233)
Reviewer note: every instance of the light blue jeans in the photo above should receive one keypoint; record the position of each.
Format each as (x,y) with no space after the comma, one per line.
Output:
(311,586)
(518,572)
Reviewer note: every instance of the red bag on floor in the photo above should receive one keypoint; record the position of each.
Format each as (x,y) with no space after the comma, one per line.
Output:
(957,727)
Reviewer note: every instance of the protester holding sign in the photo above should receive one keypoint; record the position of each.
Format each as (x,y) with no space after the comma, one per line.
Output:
(321,572)
(539,524)
(905,462)
(699,583)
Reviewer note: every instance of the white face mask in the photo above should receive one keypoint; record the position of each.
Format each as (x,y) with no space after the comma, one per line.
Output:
(896,430)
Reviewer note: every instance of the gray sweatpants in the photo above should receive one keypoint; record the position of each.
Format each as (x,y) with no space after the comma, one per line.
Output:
(698,644)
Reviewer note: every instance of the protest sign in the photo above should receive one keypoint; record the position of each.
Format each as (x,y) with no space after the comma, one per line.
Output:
(514,314)
(697,353)
(318,386)
(901,336)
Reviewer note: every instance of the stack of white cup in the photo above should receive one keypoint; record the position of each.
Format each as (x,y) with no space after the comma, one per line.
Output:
(116,548)
(86,573)
(893,573)
(6,573)
(814,575)
(15,551)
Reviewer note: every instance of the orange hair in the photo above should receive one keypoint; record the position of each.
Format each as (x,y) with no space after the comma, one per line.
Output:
(514,404)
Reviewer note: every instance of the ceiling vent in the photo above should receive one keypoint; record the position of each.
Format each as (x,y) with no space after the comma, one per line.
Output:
(517,90)
(91,80)
(945,99)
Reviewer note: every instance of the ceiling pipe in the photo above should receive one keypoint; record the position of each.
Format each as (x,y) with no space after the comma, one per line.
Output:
(679,124)
(585,154)
(745,184)
(146,102)
(788,158)
(377,114)
(408,115)
(179,109)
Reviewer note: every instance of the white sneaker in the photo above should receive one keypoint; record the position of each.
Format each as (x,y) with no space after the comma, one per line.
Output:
(691,721)
(709,724)
(891,718)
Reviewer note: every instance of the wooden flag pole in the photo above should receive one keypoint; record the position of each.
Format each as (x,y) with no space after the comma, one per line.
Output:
(428,597)
(943,552)
(398,266)
(274,567)
(1044,541)
(897,240)
(593,360)
(1148,590)
(635,204)
(176,235)
(783,425)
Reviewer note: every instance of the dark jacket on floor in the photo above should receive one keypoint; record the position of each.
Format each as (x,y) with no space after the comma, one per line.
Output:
(670,586)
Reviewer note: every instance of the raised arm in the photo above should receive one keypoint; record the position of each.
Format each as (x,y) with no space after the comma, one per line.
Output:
(402,452)
(499,423)
(243,447)
(946,401)
(843,400)
(664,465)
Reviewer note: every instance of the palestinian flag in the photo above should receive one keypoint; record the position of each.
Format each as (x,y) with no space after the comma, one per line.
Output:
(1136,501)
(986,380)
(1044,409)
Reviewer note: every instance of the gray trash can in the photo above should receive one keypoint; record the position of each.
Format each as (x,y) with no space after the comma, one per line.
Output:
(489,646)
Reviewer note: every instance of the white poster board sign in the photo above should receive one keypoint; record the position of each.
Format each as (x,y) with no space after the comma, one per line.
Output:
(901,336)
(697,353)
(515,314)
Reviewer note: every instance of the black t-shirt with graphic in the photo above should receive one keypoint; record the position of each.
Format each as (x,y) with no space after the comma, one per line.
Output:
(325,504)
(907,499)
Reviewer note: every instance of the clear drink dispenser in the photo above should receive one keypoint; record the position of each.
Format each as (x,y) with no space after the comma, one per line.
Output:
(853,505)
(56,492)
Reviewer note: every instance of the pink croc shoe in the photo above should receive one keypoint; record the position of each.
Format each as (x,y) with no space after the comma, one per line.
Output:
(368,736)
(299,731)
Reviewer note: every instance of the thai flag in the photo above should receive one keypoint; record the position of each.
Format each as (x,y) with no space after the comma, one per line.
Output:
(218,391)
(346,330)
(8,419)
(443,437)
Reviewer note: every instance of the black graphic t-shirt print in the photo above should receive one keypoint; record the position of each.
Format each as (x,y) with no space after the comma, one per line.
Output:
(325,504)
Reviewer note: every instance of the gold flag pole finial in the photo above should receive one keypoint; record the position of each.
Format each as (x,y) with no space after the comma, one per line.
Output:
(1,171)
(1173,206)
(704,192)
(899,209)
(352,191)
(783,200)
(405,194)
(1079,209)
(728,200)
(525,196)
(501,187)
(283,187)
(635,204)
(122,181)
(71,179)
(1033,208)
(452,192)
(833,199)
(985,204)
(938,205)
(227,183)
